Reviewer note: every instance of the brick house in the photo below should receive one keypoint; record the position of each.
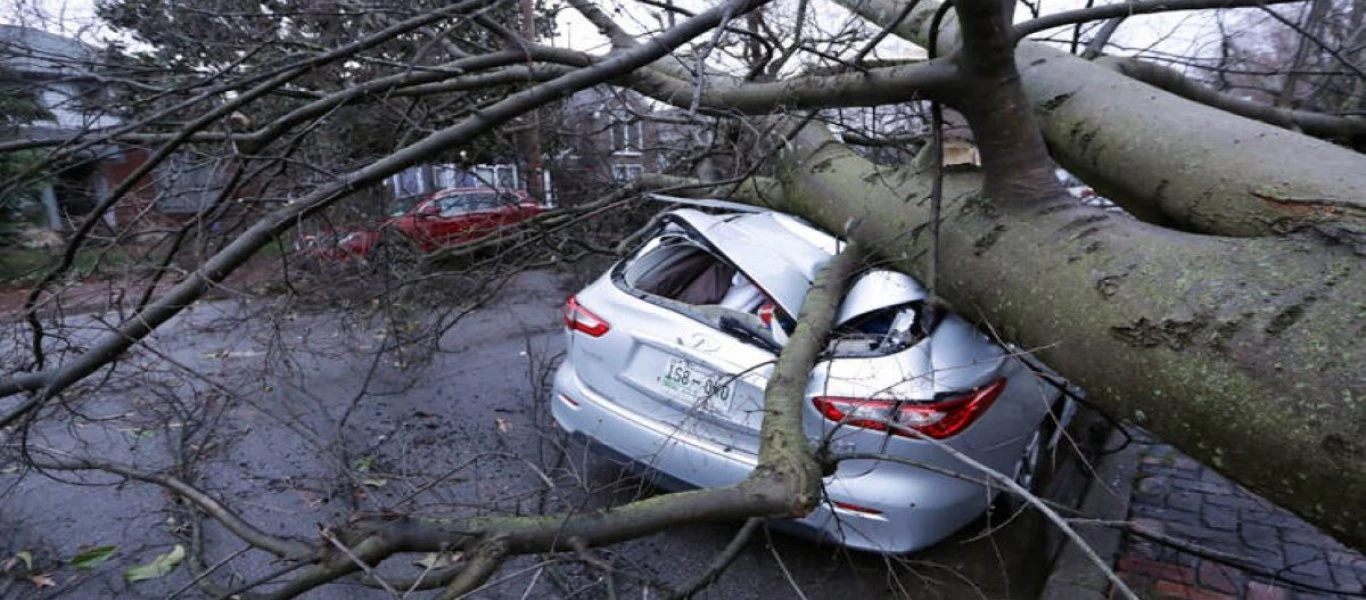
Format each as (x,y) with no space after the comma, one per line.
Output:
(606,135)
(59,73)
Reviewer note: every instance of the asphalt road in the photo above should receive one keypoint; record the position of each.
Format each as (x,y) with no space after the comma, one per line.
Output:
(295,423)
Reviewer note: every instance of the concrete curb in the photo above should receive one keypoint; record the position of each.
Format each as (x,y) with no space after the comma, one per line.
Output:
(1073,576)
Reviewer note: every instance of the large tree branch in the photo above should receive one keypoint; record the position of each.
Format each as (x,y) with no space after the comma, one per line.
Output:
(1351,130)
(874,87)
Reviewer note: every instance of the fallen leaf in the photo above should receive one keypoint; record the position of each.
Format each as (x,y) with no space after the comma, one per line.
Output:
(159,566)
(93,557)
(375,483)
(503,425)
(138,432)
(434,560)
(25,556)
(42,581)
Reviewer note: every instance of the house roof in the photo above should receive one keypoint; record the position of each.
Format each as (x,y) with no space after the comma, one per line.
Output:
(37,53)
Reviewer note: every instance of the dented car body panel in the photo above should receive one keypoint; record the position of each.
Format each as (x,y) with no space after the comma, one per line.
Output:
(670,351)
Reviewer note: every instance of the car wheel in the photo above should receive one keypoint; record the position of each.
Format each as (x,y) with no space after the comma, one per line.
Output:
(1031,468)
(1027,469)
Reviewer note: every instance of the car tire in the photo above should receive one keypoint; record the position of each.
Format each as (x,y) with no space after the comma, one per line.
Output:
(1034,464)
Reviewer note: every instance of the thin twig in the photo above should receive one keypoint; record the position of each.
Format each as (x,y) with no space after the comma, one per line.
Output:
(772,549)
(327,535)
(720,562)
(208,571)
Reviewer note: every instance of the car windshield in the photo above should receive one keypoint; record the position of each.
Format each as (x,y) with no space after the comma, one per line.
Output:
(403,205)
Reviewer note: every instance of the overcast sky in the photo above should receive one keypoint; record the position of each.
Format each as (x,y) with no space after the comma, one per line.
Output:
(1176,33)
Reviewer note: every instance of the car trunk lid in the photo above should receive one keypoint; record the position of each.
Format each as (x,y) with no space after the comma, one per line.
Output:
(692,367)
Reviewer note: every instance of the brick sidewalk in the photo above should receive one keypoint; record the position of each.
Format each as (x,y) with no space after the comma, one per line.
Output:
(1180,497)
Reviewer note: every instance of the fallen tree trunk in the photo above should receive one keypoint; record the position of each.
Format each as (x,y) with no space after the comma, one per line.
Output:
(1166,159)
(1245,353)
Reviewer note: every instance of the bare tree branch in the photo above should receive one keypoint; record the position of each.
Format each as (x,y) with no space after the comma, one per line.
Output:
(282,547)
(1128,9)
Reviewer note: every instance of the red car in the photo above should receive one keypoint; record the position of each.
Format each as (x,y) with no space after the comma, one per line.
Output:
(444,218)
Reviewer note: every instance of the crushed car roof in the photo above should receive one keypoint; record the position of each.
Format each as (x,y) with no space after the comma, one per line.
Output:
(782,255)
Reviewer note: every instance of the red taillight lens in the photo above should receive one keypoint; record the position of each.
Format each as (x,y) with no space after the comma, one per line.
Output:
(937,419)
(857,508)
(578,318)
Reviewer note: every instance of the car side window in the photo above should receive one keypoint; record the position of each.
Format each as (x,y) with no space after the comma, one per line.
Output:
(460,204)
(453,206)
(485,201)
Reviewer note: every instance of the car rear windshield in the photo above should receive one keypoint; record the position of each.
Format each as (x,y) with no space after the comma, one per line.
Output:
(883,331)
(679,274)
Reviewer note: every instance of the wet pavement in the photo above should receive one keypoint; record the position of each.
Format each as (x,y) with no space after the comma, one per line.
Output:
(295,422)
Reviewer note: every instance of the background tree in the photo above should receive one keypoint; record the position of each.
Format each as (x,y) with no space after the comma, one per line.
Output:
(19,106)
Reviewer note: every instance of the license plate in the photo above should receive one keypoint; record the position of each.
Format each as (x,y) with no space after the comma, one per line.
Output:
(697,384)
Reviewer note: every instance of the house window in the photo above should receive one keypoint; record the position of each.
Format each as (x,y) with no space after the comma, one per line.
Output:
(408,182)
(497,176)
(447,176)
(626,172)
(628,135)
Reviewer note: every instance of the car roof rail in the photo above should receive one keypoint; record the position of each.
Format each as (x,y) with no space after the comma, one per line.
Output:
(708,203)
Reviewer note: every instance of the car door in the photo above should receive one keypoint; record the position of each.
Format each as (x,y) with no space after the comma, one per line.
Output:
(419,224)
(506,211)
(453,222)
(486,215)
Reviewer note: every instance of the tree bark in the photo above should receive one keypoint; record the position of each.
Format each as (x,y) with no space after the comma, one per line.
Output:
(1245,353)
(1349,130)
(1164,158)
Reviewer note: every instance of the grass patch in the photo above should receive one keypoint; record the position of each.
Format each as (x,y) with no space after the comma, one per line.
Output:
(25,266)
(20,266)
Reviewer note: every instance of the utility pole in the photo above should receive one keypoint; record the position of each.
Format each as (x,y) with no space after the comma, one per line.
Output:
(531,138)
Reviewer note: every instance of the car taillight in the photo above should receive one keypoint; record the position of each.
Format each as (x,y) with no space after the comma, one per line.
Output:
(935,419)
(578,318)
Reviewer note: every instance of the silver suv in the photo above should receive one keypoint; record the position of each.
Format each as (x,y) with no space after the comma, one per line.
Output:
(669,352)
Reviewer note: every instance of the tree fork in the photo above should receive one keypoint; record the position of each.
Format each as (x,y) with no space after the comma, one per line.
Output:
(1134,143)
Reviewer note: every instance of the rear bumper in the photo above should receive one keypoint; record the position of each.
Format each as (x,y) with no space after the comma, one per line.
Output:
(915,508)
